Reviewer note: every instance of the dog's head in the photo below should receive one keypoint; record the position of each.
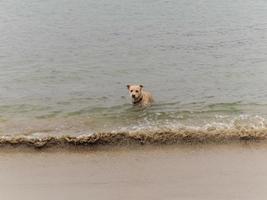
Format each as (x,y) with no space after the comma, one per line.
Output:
(135,91)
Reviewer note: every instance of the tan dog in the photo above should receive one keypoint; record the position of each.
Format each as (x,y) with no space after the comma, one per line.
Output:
(139,96)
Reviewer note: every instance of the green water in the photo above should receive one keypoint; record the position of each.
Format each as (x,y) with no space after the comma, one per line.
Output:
(64,65)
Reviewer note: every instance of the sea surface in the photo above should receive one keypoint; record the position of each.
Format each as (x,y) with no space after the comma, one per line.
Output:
(64,66)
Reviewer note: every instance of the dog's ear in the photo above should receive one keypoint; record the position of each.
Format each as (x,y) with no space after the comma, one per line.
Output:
(141,86)
(128,86)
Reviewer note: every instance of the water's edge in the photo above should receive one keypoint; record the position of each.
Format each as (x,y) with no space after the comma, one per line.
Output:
(140,138)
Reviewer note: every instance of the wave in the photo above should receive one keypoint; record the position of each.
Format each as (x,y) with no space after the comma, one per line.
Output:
(137,128)
(179,136)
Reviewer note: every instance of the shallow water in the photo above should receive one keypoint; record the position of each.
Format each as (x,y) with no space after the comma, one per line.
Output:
(64,65)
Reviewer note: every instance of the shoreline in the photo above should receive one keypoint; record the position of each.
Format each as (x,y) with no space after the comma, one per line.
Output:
(136,138)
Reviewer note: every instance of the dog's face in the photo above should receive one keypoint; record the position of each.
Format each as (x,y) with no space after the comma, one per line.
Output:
(135,91)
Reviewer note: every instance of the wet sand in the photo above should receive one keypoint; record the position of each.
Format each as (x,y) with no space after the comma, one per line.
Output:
(232,171)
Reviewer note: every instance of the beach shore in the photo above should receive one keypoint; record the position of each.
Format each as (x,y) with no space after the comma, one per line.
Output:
(229,171)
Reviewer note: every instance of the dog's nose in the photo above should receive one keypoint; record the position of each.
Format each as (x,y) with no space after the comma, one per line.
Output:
(133,96)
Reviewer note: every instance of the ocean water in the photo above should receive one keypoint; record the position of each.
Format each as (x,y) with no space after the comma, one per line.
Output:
(64,66)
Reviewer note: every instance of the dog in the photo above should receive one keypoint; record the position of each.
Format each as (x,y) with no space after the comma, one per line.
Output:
(139,96)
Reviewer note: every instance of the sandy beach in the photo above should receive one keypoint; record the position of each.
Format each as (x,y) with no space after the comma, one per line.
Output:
(233,171)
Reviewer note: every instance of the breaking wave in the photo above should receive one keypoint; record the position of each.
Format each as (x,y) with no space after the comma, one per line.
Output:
(167,136)
(77,133)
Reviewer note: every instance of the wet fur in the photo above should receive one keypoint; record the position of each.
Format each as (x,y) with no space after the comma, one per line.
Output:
(139,96)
